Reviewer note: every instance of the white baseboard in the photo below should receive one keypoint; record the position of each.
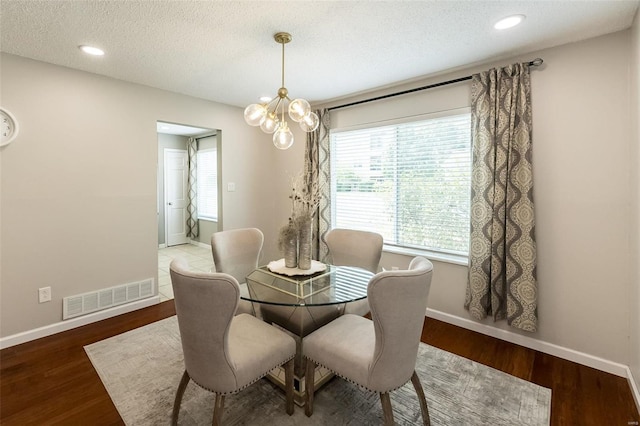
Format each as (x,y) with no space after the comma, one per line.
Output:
(58,327)
(199,244)
(634,388)
(531,343)
(193,242)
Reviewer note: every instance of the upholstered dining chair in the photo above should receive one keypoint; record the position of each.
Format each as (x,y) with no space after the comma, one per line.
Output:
(223,352)
(350,247)
(237,252)
(378,354)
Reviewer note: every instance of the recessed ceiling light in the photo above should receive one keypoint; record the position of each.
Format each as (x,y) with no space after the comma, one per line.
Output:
(265,99)
(91,50)
(508,22)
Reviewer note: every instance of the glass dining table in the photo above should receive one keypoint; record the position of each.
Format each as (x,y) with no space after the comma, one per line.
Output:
(300,304)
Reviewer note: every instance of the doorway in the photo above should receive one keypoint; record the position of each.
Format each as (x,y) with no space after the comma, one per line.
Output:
(172,172)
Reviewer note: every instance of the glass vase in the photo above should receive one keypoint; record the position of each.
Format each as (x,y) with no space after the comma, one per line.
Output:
(291,252)
(305,243)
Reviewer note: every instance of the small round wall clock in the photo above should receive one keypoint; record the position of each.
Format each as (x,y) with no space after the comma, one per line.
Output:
(8,127)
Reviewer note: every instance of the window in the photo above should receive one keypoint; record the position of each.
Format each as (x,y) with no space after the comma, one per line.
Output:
(409,182)
(207,180)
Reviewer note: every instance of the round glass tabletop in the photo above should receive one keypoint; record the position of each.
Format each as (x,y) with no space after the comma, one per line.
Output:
(334,285)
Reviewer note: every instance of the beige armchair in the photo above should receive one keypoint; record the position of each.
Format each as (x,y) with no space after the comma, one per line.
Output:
(237,252)
(363,249)
(224,353)
(379,355)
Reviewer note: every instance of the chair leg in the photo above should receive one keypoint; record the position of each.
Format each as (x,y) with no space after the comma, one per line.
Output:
(218,407)
(423,401)
(387,411)
(309,377)
(176,403)
(288,378)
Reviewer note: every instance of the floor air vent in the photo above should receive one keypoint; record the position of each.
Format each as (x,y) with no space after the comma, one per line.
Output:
(81,304)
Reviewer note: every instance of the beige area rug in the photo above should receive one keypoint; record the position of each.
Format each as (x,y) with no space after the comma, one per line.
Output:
(141,370)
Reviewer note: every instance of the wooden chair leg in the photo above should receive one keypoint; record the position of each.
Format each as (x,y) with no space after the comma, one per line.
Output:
(218,407)
(309,378)
(423,401)
(387,411)
(176,403)
(288,379)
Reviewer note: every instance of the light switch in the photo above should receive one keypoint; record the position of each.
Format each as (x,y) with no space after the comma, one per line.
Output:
(231,186)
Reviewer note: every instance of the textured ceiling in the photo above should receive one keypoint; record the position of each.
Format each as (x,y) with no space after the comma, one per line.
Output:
(224,50)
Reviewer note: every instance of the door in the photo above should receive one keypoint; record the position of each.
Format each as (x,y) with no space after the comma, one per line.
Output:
(175,196)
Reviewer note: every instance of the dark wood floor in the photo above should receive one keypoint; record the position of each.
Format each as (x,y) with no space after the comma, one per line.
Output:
(51,380)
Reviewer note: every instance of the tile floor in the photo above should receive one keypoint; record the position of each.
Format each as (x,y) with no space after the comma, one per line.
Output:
(199,258)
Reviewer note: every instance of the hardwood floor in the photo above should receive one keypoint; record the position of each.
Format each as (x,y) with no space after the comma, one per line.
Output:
(51,380)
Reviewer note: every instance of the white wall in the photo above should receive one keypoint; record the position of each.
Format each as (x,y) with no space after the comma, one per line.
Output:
(78,186)
(581,151)
(581,148)
(634,299)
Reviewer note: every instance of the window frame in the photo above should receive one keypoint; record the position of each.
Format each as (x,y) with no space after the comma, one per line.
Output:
(444,256)
(202,216)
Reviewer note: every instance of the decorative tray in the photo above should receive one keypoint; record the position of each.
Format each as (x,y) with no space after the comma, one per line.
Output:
(278,267)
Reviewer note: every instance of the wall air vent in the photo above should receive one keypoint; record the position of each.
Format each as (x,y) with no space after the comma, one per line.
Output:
(81,304)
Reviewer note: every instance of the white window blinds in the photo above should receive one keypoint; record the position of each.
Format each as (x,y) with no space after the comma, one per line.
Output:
(409,182)
(207,180)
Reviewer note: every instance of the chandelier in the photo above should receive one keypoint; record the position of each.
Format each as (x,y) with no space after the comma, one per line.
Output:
(269,115)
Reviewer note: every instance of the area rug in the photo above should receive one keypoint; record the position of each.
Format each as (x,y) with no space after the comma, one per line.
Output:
(141,370)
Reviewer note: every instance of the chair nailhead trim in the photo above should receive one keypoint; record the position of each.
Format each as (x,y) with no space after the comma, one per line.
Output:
(248,384)
(351,381)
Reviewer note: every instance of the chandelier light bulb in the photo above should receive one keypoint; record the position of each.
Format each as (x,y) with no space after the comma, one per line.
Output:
(254,114)
(270,123)
(283,138)
(298,109)
(310,122)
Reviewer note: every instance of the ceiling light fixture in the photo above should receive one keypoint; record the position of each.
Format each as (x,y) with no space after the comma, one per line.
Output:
(265,114)
(91,50)
(508,22)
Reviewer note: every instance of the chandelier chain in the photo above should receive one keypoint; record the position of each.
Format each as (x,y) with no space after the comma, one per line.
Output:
(282,65)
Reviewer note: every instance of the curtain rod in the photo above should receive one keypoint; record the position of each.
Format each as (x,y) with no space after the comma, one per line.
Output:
(536,62)
(205,136)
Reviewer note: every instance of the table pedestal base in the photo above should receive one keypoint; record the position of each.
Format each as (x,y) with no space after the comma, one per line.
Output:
(321,377)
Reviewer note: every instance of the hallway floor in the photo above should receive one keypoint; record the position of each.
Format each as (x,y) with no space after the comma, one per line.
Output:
(199,258)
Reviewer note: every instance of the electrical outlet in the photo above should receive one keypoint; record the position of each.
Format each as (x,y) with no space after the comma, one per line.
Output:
(44,294)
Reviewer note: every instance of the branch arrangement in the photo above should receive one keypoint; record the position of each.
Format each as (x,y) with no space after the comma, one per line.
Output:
(305,199)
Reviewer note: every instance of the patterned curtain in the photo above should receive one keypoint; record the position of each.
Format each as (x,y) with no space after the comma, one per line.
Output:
(316,169)
(192,206)
(502,255)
